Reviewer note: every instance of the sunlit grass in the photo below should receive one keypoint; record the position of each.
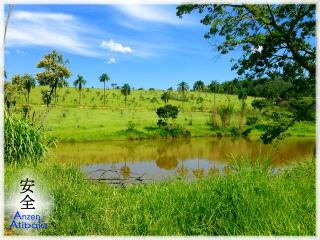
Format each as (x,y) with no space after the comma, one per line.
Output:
(250,201)
(92,121)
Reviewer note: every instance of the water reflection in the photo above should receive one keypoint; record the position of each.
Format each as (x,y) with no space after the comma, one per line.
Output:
(195,157)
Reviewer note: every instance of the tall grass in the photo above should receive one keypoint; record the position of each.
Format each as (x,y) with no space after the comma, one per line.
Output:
(24,142)
(248,201)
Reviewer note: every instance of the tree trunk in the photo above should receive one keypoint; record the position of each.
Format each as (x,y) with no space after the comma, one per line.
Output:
(45,116)
(104,93)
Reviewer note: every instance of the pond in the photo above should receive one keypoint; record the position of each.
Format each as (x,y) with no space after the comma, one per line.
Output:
(159,159)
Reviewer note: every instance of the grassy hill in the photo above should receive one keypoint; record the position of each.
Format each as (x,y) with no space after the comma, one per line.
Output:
(93,121)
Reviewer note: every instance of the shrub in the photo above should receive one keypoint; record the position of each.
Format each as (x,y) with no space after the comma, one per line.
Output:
(225,113)
(299,107)
(234,131)
(252,120)
(259,104)
(24,142)
(176,131)
(167,112)
(131,126)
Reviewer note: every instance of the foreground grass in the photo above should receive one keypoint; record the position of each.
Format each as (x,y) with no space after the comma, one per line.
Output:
(250,201)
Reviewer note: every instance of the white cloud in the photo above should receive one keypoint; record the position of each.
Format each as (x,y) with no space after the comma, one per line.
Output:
(54,30)
(115,47)
(112,61)
(149,13)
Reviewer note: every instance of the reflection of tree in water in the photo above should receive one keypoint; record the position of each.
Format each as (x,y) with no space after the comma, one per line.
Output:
(182,171)
(125,171)
(198,172)
(226,169)
(213,170)
(167,162)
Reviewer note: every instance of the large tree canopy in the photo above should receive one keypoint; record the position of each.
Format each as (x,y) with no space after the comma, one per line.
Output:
(276,40)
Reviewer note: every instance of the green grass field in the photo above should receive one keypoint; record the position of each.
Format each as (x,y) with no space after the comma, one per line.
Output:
(248,201)
(92,121)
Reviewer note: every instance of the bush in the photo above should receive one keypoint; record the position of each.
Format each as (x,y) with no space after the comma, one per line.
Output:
(225,113)
(252,120)
(176,131)
(235,131)
(299,106)
(259,104)
(131,126)
(24,142)
(167,112)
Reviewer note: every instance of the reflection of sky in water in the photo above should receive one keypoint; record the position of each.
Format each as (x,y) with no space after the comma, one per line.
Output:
(151,171)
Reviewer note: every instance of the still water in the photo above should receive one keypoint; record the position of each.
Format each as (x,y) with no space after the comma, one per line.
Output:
(155,160)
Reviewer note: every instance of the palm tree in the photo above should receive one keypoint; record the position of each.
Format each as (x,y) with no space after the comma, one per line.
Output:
(183,87)
(213,87)
(198,86)
(104,78)
(165,96)
(28,83)
(79,83)
(125,90)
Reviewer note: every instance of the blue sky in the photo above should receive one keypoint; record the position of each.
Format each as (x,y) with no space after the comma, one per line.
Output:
(143,45)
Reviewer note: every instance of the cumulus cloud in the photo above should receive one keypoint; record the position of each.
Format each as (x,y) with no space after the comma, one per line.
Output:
(115,47)
(112,61)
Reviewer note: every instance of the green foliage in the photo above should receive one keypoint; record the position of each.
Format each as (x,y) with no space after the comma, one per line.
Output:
(299,105)
(275,39)
(28,82)
(54,75)
(235,132)
(165,113)
(125,90)
(11,95)
(251,120)
(105,78)
(24,143)
(259,104)
(175,131)
(225,113)
(214,87)
(165,96)
(79,83)
(198,86)
(183,87)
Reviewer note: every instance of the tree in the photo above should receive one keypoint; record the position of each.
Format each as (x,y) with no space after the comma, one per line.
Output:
(28,82)
(214,88)
(11,94)
(259,104)
(125,90)
(165,113)
(55,71)
(275,39)
(165,96)
(242,96)
(104,78)
(198,86)
(183,87)
(79,83)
